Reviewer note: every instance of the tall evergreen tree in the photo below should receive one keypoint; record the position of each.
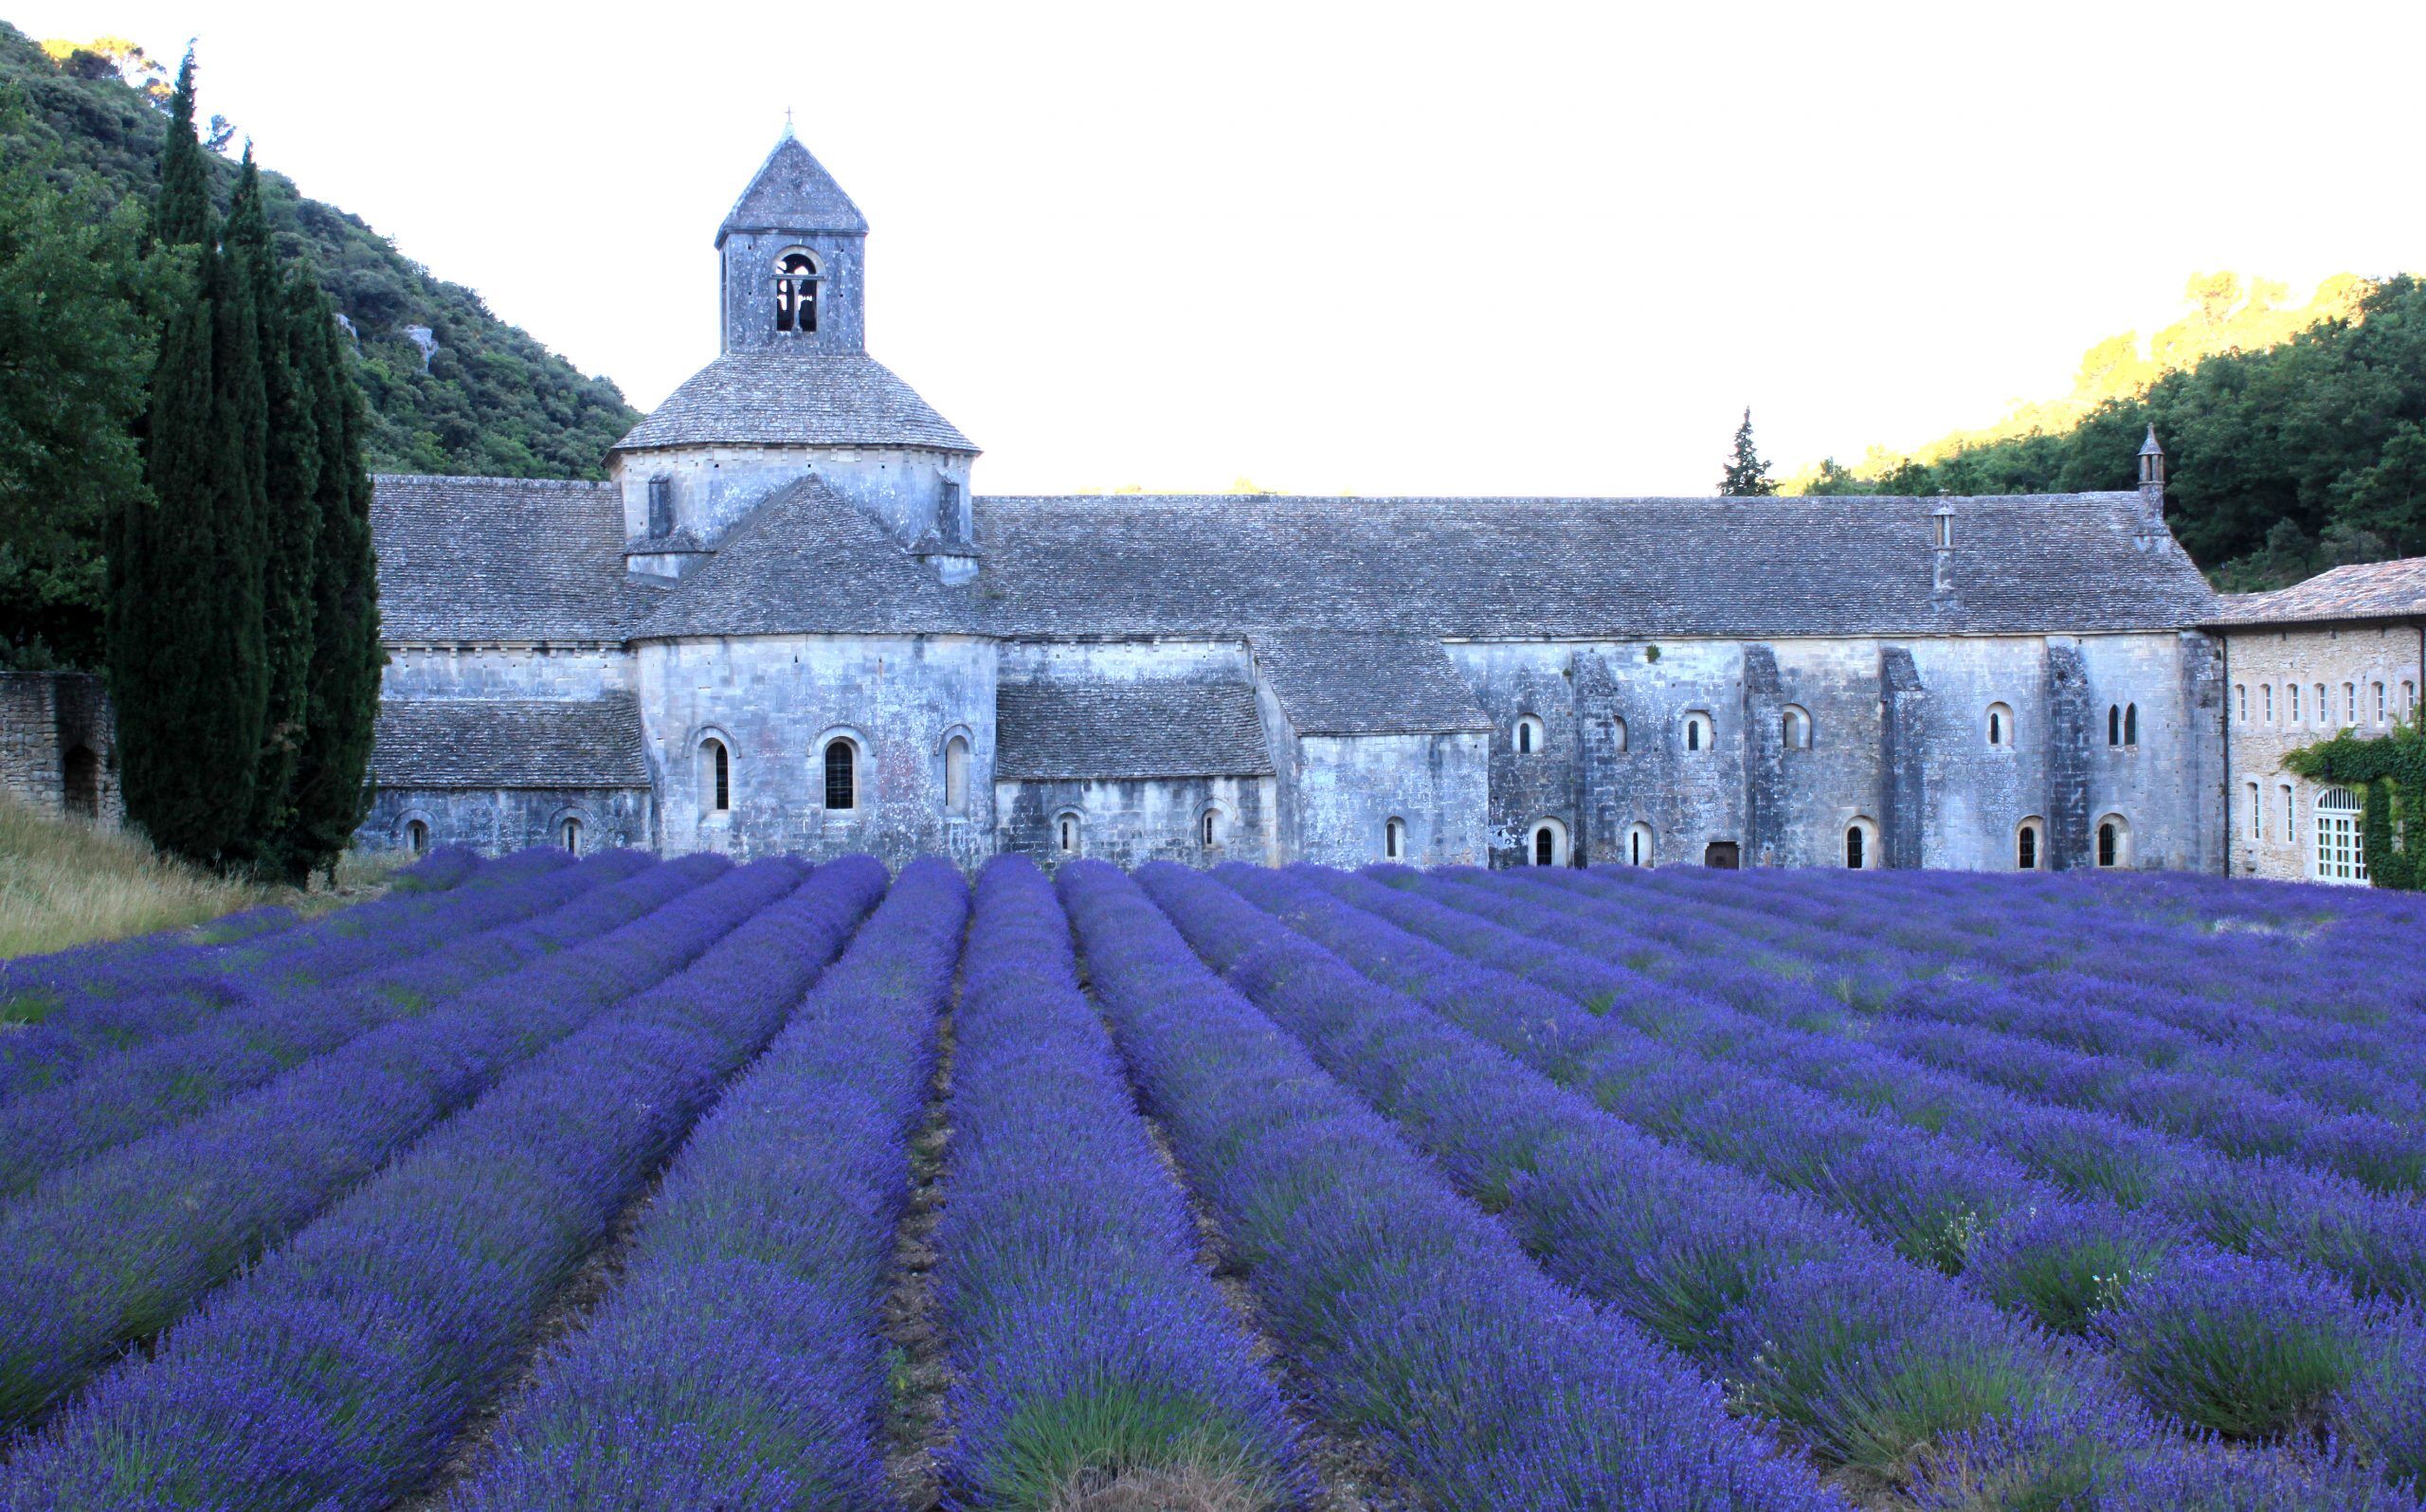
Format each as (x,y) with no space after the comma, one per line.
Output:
(185,613)
(343,682)
(290,476)
(181,214)
(1747,475)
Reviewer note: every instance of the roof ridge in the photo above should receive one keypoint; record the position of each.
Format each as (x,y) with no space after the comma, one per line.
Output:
(2116,496)
(491,477)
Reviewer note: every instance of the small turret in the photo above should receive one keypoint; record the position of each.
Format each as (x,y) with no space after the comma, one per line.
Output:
(2152,467)
(793,251)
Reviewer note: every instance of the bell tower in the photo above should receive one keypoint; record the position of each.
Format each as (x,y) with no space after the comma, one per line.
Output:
(793,250)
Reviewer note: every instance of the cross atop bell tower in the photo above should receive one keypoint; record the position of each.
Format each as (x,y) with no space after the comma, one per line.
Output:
(794,249)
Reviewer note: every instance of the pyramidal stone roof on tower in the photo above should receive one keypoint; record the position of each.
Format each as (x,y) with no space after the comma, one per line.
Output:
(794,192)
(795,399)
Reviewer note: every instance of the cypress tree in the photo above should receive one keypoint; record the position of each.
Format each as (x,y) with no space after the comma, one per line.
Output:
(291,467)
(1747,475)
(343,682)
(185,613)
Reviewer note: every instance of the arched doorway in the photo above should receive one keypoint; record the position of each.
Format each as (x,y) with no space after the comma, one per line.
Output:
(79,781)
(2341,836)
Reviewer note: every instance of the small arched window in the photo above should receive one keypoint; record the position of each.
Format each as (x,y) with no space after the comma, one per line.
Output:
(1550,843)
(1529,735)
(2291,693)
(2001,726)
(1208,828)
(1066,829)
(1617,733)
(956,775)
(568,831)
(2026,839)
(2114,724)
(715,776)
(1697,731)
(1394,840)
(2240,697)
(2408,698)
(2379,703)
(2265,693)
(2323,711)
(2349,703)
(417,835)
(1796,727)
(1862,845)
(841,774)
(2130,723)
(1639,845)
(2113,841)
(796,279)
(2257,814)
(2290,814)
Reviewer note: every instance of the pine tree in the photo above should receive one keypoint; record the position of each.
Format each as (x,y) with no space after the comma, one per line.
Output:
(291,467)
(343,698)
(185,613)
(1747,475)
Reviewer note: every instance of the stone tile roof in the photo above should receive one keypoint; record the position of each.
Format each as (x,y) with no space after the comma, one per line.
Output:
(1346,684)
(501,558)
(2366,591)
(1082,728)
(1130,565)
(794,192)
(795,399)
(509,742)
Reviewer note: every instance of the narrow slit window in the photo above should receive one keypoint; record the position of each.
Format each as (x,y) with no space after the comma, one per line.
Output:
(956,775)
(1210,828)
(1069,834)
(417,834)
(2130,723)
(2257,814)
(2025,847)
(1394,840)
(2114,724)
(571,834)
(1855,853)
(842,775)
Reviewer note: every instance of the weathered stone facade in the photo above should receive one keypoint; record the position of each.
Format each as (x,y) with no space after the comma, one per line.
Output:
(826,642)
(2346,651)
(59,745)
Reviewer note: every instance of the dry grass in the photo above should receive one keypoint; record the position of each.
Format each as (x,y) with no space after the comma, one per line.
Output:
(67,882)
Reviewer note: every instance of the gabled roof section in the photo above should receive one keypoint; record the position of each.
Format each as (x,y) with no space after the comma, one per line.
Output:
(1332,683)
(2365,590)
(463,559)
(1078,729)
(794,192)
(795,399)
(490,743)
(808,561)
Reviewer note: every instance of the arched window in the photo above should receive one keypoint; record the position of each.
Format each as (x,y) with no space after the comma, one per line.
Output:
(1617,733)
(956,775)
(1639,845)
(2266,693)
(2379,703)
(2001,726)
(2349,703)
(1208,828)
(417,835)
(2291,691)
(2241,696)
(1697,731)
(2341,838)
(568,829)
(2323,711)
(716,777)
(2290,816)
(2408,697)
(1797,731)
(2114,724)
(2113,841)
(1550,843)
(796,279)
(2027,836)
(2257,814)
(1066,834)
(1394,840)
(1529,735)
(1862,845)
(2130,723)
(841,774)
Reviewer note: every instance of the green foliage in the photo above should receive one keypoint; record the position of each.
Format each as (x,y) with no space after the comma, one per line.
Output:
(74,351)
(2390,771)
(2286,459)
(1747,475)
(80,345)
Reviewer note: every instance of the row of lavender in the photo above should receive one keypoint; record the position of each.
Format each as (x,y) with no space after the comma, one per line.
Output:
(2080,1223)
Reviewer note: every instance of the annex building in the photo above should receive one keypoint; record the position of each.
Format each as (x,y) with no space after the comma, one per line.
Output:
(789,622)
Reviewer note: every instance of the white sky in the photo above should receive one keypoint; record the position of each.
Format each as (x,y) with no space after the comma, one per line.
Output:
(1388,248)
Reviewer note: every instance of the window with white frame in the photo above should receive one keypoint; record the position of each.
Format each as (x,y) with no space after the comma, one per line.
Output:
(2001,726)
(2290,814)
(2349,703)
(2268,691)
(2380,702)
(1796,727)
(2241,697)
(2341,836)
(2257,814)
(1639,845)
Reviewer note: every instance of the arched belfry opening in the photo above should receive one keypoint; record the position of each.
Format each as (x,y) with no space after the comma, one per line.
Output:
(796,281)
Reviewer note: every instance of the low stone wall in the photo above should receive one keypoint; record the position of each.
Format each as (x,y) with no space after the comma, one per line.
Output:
(59,743)
(496,820)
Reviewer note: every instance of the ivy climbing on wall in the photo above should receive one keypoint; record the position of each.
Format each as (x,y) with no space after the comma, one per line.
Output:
(2391,771)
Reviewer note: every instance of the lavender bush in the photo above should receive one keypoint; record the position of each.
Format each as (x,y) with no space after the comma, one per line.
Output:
(738,1363)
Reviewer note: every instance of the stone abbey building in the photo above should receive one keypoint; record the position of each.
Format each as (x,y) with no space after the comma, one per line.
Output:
(788,623)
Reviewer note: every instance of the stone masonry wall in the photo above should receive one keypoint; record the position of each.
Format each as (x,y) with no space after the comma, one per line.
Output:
(1132,820)
(495,821)
(59,743)
(2275,836)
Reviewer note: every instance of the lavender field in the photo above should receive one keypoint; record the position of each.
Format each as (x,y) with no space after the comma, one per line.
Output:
(610,1183)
